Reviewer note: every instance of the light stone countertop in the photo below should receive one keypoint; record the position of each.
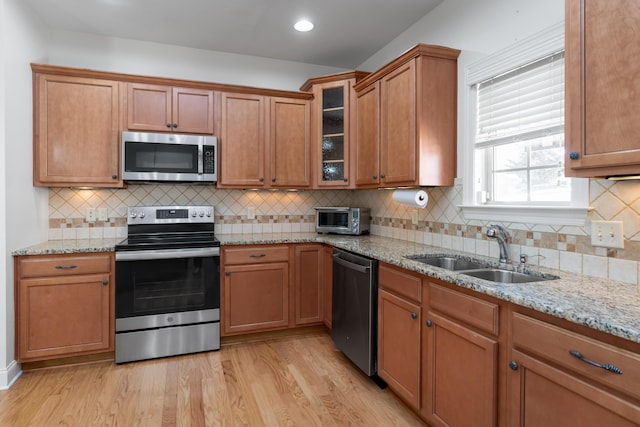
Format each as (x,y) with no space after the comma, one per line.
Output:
(605,305)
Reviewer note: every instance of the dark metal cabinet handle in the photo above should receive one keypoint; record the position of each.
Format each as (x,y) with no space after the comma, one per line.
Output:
(382,176)
(258,255)
(66,267)
(261,179)
(227,273)
(175,125)
(574,155)
(345,180)
(114,176)
(375,176)
(606,366)
(429,323)
(273,180)
(414,316)
(168,125)
(105,282)
(513,365)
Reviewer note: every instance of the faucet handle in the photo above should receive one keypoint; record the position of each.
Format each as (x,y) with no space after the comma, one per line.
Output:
(523,260)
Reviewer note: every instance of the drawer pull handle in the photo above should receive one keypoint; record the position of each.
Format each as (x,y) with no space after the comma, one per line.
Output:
(606,367)
(258,255)
(66,267)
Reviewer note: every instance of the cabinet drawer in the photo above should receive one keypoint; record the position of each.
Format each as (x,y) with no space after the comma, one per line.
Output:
(554,344)
(64,265)
(256,254)
(400,282)
(473,311)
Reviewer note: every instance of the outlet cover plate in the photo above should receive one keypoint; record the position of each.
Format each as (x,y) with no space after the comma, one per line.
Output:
(90,215)
(607,234)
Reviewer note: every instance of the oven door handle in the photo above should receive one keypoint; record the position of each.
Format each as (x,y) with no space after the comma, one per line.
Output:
(167,254)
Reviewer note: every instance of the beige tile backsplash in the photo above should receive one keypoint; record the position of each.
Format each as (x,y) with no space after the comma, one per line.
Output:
(440,224)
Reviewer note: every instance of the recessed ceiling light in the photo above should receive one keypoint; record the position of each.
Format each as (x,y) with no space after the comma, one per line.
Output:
(303,25)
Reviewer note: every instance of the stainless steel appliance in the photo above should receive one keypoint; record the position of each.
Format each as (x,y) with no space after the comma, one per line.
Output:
(355,308)
(168,157)
(342,220)
(167,283)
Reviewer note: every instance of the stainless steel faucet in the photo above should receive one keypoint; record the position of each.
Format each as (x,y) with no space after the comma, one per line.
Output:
(499,233)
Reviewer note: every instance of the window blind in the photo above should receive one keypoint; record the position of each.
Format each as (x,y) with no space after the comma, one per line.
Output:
(522,104)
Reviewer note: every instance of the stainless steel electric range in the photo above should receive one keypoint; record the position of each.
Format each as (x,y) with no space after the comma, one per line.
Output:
(167,283)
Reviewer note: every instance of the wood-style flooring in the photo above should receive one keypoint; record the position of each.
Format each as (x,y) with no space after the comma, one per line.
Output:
(299,380)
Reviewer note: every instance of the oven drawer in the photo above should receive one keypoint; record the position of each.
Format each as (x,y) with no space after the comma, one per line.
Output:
(256,254)
(64,265)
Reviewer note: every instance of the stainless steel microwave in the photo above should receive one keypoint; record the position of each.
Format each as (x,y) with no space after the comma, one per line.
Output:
(342,220)
(169,157)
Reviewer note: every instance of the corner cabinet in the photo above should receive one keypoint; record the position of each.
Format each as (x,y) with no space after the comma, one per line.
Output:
(407,118)
(601,107)
(264,142)
(64,305)
(76,139)
(160,108)
(333,128)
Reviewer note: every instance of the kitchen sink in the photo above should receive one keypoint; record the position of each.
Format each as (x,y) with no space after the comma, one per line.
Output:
(505,276)
(478,269)
(448,262)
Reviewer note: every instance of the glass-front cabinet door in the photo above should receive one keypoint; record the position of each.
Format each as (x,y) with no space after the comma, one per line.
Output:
(333,153)
(334,124)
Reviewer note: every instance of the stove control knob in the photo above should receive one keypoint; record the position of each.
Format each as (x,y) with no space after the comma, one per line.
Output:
(193,214)
(141,215)
(208,214)
(133,214)
(201,214)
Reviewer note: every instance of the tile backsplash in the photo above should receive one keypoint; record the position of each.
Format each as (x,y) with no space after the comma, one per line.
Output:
(441,223)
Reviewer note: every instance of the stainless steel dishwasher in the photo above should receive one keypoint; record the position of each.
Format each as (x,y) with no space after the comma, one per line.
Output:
(355,308)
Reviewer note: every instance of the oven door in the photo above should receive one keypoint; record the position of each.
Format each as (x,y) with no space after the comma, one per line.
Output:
(150,282)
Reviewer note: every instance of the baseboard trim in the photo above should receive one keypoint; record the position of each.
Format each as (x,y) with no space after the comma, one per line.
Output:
(9,375)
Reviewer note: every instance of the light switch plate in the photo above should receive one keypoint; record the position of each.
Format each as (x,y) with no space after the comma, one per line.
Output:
(607,234)
(251,213)
(90,215)
(103,214)
(414,217)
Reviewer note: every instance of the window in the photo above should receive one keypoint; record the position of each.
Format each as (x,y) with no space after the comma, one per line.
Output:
(515,137)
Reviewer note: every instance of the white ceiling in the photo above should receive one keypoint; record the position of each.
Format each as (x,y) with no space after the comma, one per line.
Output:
(346,32)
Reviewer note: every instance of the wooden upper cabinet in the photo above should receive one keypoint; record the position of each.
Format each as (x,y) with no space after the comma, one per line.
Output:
(367,165)
(290,142)
(77,131)
(264,142)
(602,61)
(417,119)
(169,109)
(242,141)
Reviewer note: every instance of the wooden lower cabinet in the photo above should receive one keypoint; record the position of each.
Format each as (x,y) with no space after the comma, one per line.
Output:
(399,346)
(64,306)
(256,297)
(327,268)
(460,374)
(309,286)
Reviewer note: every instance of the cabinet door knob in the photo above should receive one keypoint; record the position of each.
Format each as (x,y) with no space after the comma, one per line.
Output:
(273,180)
(345,180)
(168,125)
(375,176)
(381,176)
(227,273)
(414,316)
(428,323)
(513,365)
(261,179)
(114,176)
(105,282)
(175,125)
(574,155)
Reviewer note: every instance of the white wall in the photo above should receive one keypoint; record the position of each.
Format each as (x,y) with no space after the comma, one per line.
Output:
(23,208)
(161,60)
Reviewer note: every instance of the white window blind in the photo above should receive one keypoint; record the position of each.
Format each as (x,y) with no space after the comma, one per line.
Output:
(522,104)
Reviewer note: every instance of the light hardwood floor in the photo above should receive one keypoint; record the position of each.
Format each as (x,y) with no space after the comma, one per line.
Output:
(299,380)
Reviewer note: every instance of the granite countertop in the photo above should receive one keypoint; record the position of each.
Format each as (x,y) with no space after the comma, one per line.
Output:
(605,305)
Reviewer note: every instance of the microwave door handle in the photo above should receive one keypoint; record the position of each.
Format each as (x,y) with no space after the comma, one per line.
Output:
(201,157)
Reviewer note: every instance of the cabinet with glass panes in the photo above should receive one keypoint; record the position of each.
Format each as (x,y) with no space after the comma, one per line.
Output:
(334,127)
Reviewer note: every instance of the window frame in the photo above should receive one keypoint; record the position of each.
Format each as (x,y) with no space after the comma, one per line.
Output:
(520,53)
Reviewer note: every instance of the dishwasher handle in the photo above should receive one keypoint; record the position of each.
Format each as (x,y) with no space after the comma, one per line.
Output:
(351,265)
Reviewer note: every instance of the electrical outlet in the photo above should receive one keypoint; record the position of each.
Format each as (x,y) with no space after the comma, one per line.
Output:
(103,214)
(90,215)
(607,234)
(414,217)
(251,213)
